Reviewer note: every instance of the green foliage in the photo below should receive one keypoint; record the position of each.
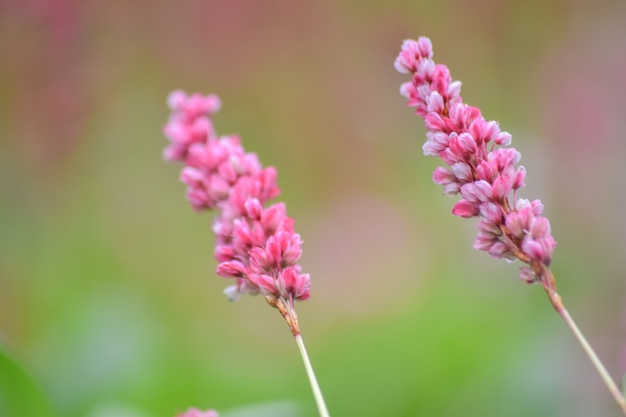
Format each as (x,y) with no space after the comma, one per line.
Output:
(19,393)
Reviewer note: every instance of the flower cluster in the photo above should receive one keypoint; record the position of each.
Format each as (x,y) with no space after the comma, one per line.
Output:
(480,165)
(256,244)
(194,412)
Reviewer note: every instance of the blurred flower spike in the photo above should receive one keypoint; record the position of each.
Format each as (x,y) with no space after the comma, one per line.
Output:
(194,412)
(256,243)
(479,166)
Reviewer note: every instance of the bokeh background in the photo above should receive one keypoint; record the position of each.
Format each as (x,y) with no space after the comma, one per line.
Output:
(109,304)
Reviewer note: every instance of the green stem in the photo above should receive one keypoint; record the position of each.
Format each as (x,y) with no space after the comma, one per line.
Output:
(317,393)
(604,374)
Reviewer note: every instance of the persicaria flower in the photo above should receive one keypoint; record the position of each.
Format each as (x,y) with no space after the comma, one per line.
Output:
(256,244)
(479,166)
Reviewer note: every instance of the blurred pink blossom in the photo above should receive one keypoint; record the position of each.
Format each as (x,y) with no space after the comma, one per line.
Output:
(479,166)
(194,412)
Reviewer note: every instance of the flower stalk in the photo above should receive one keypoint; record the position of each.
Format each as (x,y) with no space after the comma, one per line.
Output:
(315,388)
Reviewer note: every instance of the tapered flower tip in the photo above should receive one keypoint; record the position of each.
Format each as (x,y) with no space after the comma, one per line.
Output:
(193,104)
(194,412)
(411,52)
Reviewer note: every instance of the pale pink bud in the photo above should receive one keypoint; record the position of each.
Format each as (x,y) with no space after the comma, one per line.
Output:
(503,139)
(540,228)
(499,249)
(484,241)
(504,157)
(424,47)
(434,103)
(537,207)
(454,90)
(194,412)
(176,99)
(443,176)
(435,143)
(408,90)
(492,212)
(477,191)
(487,227)
(527,275)
(520,176)
(534,249)
(462,171)
(406,62)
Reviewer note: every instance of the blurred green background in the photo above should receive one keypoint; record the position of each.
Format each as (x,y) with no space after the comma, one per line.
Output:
(109,304)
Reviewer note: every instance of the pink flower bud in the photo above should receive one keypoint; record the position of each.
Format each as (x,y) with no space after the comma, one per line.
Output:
(465,209)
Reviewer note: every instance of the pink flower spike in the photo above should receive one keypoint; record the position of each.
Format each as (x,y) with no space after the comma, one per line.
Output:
(256,244)
(477,161)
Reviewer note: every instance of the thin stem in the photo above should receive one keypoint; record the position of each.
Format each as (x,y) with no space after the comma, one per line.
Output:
(317,393)
(560,308)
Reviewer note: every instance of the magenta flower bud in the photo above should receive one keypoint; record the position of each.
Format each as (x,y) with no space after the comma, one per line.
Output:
(224,253)
(233,269)
(465,209)
(434,122)
(274,217)
(466,144)
(291,282)
(266,284)
(254,209)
